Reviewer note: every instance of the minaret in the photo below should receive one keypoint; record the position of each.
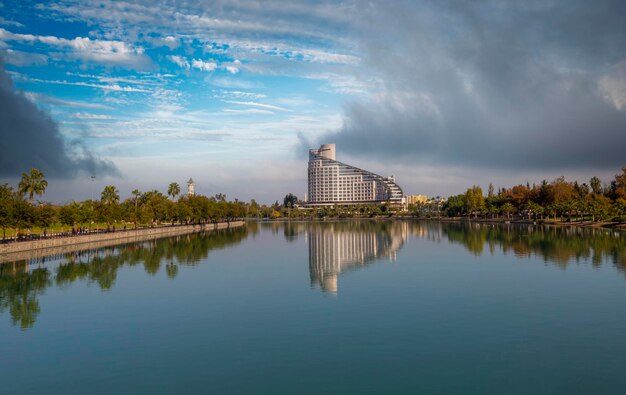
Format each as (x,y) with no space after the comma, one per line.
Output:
(190,186)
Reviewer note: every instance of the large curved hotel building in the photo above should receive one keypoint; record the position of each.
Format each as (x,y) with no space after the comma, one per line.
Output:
(333,182)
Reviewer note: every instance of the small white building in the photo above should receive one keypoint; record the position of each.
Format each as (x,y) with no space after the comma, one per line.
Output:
(190,187)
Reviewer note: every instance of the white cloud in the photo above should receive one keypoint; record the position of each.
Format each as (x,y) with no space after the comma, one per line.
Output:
(7,22)
(199,64)
(146,80)
(232,69)
(346,84)
(235,94)
(256,104)
(84,48)
(179,61)
(171,42)
(294,52)
(21,58)
(104,87)
(612,86)
(55,101)
(84,115)
(204,66)
(248,111)
(233,83)
(320,56)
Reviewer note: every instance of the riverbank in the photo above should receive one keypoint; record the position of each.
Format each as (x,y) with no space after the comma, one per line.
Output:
(44,247)
(500,221)
(584,224)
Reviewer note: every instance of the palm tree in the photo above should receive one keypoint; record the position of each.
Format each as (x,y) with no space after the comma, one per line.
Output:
(173,190)
(136,193)
(33,184)
(110,195)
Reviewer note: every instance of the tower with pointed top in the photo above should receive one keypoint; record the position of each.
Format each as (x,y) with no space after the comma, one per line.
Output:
(190,187)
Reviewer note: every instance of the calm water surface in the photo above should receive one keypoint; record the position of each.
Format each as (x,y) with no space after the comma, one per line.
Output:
(344,307)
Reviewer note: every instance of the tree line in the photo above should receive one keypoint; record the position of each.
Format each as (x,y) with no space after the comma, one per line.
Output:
(20,213)
(557,200)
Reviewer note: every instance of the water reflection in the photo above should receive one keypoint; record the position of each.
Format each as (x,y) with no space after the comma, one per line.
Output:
(333,248)
(338,247)
(558,245)
(20,285)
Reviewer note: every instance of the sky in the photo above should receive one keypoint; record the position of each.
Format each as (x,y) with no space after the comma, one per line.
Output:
(441,94)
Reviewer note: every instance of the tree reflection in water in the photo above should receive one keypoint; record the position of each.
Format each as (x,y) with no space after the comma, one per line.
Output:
(558,245)
(20,286)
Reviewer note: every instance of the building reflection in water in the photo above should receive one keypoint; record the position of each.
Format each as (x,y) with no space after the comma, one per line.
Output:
(341,246)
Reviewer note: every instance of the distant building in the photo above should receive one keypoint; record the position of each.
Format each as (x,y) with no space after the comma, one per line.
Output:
(190,187)
(416,199)
(332,182)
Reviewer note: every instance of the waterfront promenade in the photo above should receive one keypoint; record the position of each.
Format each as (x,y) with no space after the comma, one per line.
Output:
(56,245)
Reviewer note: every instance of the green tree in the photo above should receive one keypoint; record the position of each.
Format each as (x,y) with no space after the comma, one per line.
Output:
(6,208)
(253,208)
(598,205)
(620,185)
(562,193)
(44,215)
(490,192)
(136,194)
(532,208)
(108,209)
(474,200)
(110,195)
(154,206)
(173,190)
(134,215)
(24,215)
(544,197)
(596,185)
(86,212)
(33,183)
(508,209)
(290,200)
(455,205)
(68,214)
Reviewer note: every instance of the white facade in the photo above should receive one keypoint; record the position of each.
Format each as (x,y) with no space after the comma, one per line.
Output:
(333,182)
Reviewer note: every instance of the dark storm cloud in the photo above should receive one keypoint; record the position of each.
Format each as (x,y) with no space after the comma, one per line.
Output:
(489,84)
(30,138)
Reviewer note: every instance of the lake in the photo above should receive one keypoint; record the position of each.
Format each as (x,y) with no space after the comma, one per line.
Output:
(323,307)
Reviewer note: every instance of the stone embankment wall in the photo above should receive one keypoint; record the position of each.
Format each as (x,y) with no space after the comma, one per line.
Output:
(38,248)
